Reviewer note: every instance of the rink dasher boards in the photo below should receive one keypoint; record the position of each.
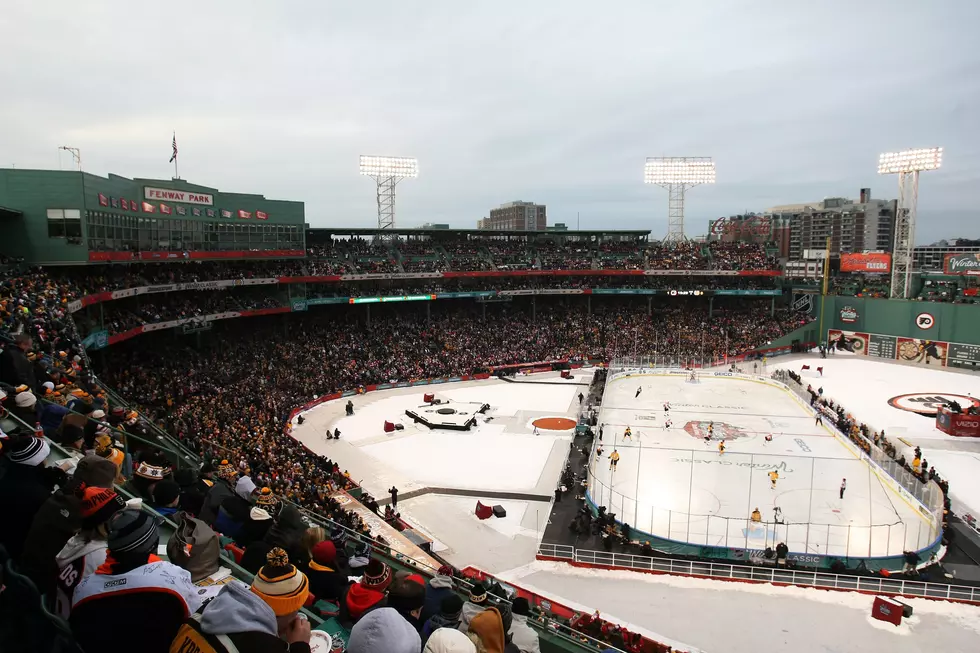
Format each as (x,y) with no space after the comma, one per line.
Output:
(673,485)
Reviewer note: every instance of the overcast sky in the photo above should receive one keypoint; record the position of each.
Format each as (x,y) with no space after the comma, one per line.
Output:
(557,102)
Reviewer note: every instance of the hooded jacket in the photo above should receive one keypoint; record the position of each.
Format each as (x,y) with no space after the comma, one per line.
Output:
(286,534)
(23,490)
(384,631)
(523,636)
(470,610)
(489,627)
(75,561)
(435,591)
(449,640)
(236,616)
(437,621)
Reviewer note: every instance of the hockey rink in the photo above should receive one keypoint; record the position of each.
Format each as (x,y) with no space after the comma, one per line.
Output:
(671,483)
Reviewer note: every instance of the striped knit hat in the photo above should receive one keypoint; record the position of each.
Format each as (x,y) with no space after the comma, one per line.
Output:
(266,498)
(27,450)
(280,584)
(133,531)
(227,471)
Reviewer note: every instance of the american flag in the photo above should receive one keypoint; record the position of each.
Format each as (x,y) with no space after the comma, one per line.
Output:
(174,155)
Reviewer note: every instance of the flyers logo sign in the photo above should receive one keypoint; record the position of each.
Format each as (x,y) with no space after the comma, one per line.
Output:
(925,321)
(930,403)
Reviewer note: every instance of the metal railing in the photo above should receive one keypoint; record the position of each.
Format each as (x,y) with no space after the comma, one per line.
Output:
(722,571)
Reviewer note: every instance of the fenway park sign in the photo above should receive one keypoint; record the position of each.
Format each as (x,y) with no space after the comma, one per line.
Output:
(172,195)
(968,264)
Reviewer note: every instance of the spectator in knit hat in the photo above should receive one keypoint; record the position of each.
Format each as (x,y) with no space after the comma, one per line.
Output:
(233,511)
(449,616)
(148,599)
(286,532)
(523,636)
(151,470)
(326,583)
(24,487)
(166,497)
(223,488)
(59,519)
(25,407)
(86,551)
(383,631)
(15,369)
(449,640)
(407,596)
(244,619)
(487,632)
(476,604)
(105,448)
(50,415)
(367,594)
(282,586)
(439,587)
(260,518)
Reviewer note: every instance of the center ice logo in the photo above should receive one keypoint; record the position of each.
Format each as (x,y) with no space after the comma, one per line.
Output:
(719,430)
(929,404)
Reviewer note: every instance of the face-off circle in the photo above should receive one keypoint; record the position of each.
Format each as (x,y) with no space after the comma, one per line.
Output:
(925,403)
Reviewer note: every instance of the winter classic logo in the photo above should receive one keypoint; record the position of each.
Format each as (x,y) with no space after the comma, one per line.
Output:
(929,404)
(848,314)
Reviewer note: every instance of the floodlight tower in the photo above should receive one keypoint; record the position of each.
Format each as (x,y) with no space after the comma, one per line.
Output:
(907,164)
(387,171)
(677,174)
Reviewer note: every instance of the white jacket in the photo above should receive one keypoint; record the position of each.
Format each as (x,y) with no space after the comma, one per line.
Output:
(75,561)
(523,636)
(153,575)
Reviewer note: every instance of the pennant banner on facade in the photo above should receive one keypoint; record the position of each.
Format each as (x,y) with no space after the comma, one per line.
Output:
(261,215)
(114,202)
(245,215)
(134,205)
(149,208)
(211,213)
(225,213)
(164,208)
(181,210)
(196,212)
(125,204)
(103,200)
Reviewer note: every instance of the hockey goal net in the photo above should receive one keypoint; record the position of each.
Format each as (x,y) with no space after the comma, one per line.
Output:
(693,377)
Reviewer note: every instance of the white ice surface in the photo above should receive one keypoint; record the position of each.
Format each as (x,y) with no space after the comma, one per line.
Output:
(492,544)
(664,475)
(747,618)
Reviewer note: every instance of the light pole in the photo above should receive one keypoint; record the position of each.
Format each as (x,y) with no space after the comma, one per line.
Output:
(907,164)
(677,174)
(387,171)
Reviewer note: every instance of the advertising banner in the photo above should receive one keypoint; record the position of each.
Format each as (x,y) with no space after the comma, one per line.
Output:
(968,264)
(96,340)
(963,353)
(879,263)
(852,341)
(922,352)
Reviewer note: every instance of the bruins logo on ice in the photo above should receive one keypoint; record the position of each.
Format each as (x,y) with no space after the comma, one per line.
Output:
(719,430)
(929,404)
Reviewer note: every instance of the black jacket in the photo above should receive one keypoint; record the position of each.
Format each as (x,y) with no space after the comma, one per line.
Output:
(15,369)
(326,582)
(23,490)
(59,517)
(220,491)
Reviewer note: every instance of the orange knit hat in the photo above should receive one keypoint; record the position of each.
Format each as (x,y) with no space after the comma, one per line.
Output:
(280,584)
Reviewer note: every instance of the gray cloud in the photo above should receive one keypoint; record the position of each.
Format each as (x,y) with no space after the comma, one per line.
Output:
(552,102)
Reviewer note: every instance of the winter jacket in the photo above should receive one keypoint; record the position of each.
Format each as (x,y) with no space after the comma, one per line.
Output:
(15,369)
(357,602)
(51,416)
(255,528)
(148,605)
(384,631)
(232,514)
(434,623)
(285,533)
(470,610)
(78,559)
(449,640)
(58,519)
(523,636)
(220,491)
(325,582)
(23,490)
(236,616)
(435,591)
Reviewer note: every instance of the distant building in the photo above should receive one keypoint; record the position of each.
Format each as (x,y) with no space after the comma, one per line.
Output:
(558,226)
(929,258)
(516,216)
(434,225)
(866,225)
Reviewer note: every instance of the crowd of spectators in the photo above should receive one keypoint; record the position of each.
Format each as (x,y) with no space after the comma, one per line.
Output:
(741,256)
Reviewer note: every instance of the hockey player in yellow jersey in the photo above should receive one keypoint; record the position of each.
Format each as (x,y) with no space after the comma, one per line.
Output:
(773,477)
(613,460)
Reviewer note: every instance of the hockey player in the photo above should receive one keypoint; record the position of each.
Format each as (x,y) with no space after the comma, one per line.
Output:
(628,434)
(768,439)
(667,424)
(638,391)
(721,447)
(613,460)
(666,406)
(773,477)
(777,515)
(598,452)
(843,486)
